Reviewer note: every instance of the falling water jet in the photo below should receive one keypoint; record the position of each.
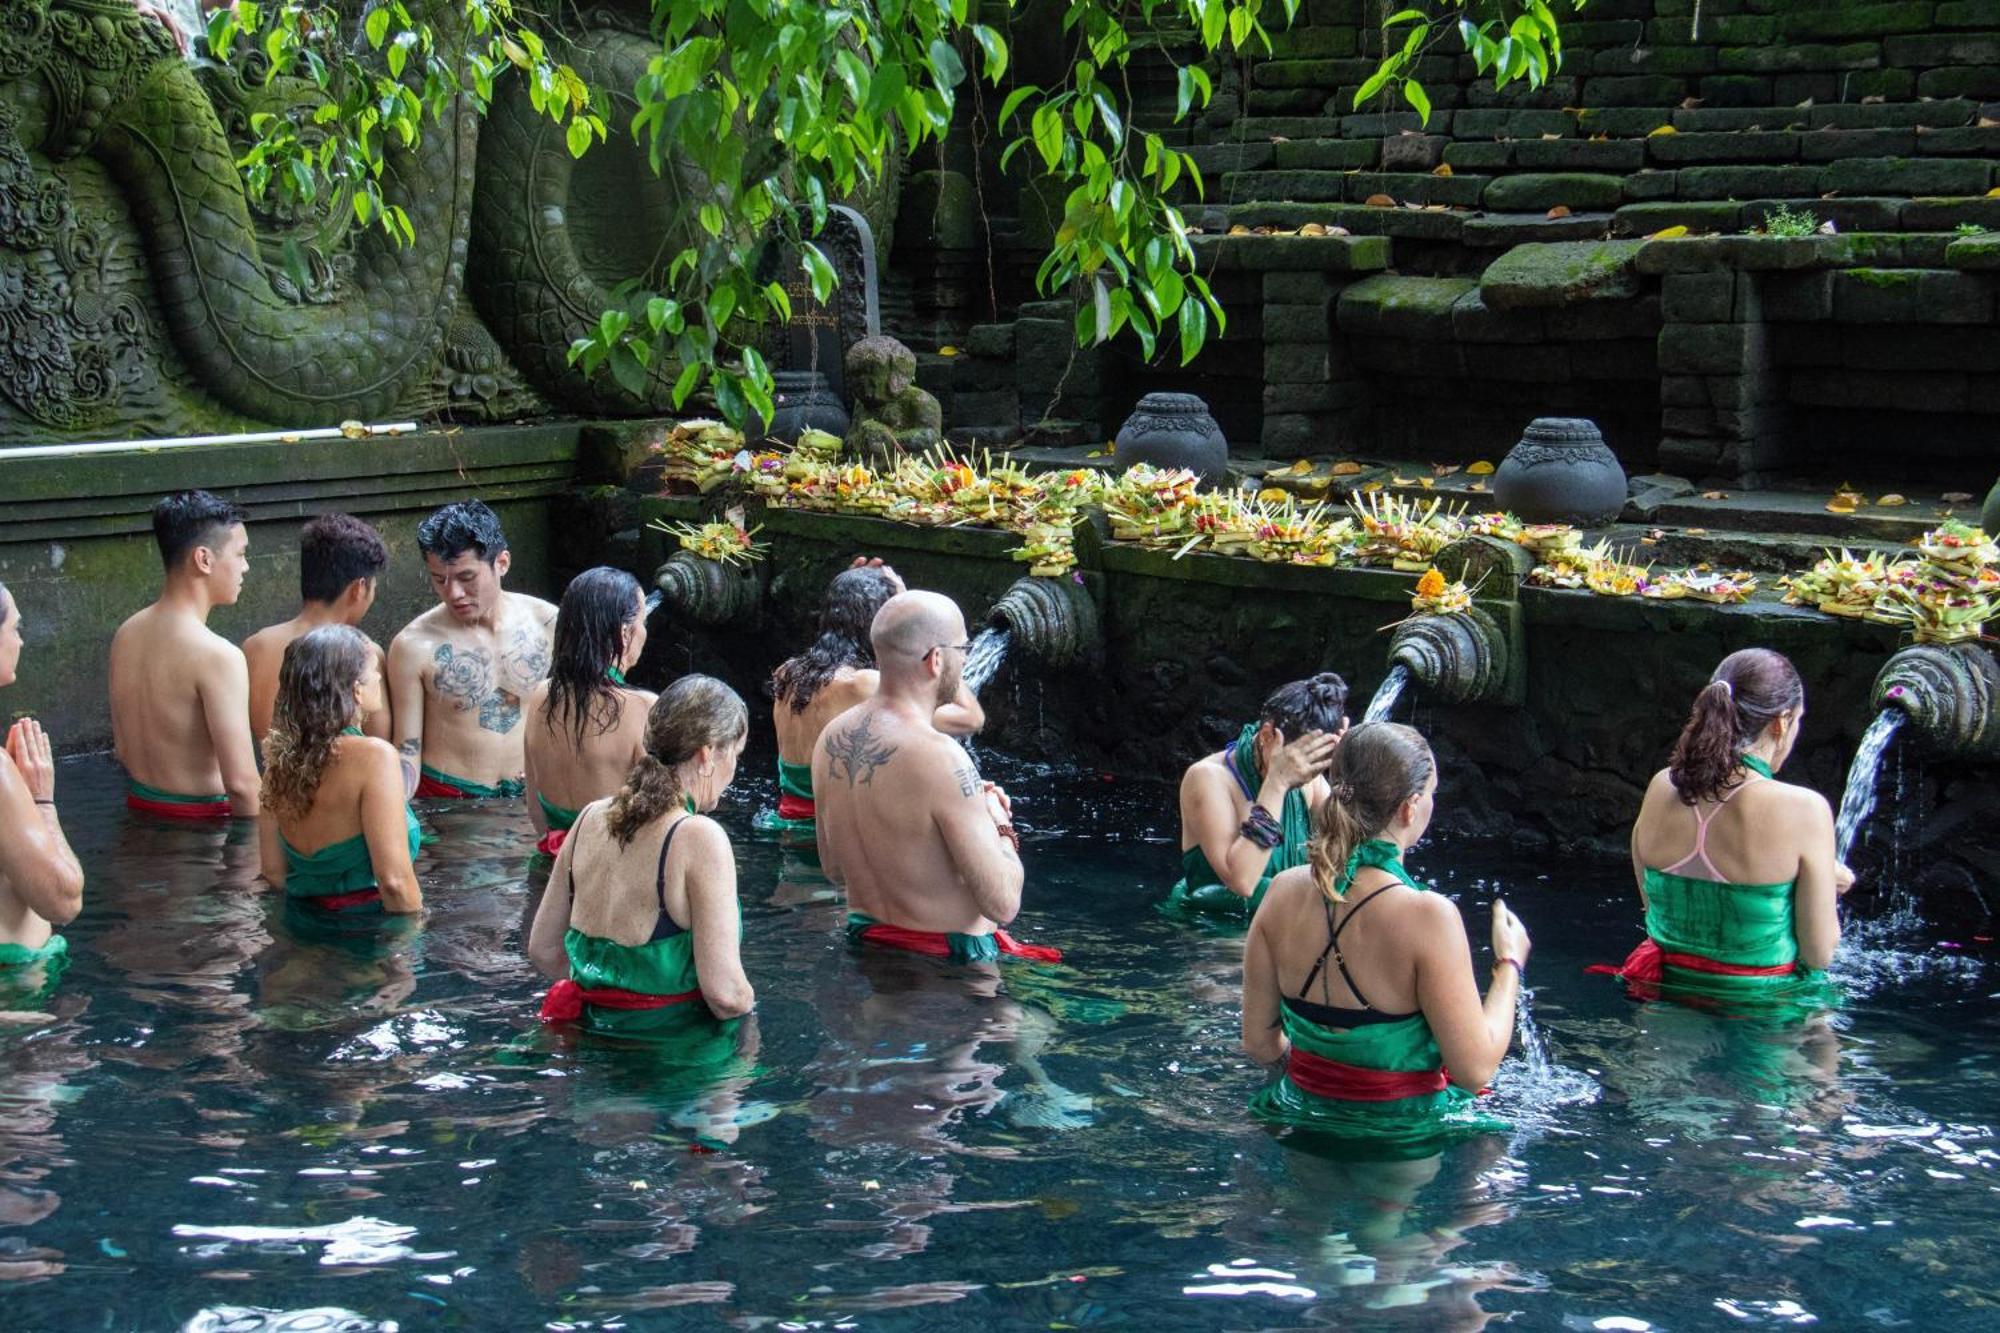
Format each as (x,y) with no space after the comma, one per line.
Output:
(1387,693)
(1857,801)
(982,662)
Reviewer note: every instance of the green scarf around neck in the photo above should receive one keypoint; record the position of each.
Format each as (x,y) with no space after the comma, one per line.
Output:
(1295,818)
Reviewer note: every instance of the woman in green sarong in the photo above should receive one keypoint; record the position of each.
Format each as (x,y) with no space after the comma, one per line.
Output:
(1376,1025)
(335,830)
(586,726)
(1244,808)
(640,927)
(41,882)
(833,675)
(1738,874)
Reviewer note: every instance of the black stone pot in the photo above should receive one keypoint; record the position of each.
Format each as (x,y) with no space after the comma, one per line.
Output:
(1561,472)
(1171,430)
(1989,513)
(804,399)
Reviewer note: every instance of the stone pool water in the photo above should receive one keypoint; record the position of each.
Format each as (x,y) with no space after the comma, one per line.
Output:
(228,1122)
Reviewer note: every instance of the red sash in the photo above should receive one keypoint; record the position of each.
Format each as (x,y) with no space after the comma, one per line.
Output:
(341,902)
(429,786)
(1351,1083)
(565,1000)
(551,842)
(796,807)
(1646,966)
(937,944)
(178,809)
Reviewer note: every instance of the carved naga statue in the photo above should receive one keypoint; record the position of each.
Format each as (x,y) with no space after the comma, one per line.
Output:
(142,292)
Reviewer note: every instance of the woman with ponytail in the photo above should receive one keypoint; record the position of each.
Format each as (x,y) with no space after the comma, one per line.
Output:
(586,726)
(640,916)
(833,675)
(332,789)
(1376,1025)
(1737,871)
(1244,809)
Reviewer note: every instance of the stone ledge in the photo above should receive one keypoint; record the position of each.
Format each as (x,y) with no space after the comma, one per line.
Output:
(1544,275)
(1319,254)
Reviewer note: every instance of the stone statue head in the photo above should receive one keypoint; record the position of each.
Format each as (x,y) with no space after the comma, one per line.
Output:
(880,369)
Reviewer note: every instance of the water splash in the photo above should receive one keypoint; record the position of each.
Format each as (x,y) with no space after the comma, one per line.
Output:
(988,651)
(1532,1085)
(1857,802)
(1387,693)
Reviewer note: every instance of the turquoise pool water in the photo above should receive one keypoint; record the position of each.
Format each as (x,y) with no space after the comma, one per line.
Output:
(228,1123)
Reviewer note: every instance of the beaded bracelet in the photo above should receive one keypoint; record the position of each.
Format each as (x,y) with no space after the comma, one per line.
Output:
(1262,829)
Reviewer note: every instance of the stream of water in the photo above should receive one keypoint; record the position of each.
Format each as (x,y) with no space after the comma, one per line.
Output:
(1387,693)
(1857,802)
(989,650)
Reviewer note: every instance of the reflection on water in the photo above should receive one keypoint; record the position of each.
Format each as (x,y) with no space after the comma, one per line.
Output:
(235,1120)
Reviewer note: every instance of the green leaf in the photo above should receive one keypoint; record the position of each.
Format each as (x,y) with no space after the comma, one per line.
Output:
(1193,329)
(994,48)
(1112,124)
(1414,94)
(946,65)
(376,26)
(1048,132)
(1013,102)
(577,137)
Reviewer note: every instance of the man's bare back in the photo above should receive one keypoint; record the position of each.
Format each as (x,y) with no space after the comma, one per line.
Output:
(467,686)
(179,703)
(264,655)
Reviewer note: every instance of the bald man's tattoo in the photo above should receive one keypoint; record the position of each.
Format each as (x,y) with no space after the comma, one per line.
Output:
(968,780)
(855,753)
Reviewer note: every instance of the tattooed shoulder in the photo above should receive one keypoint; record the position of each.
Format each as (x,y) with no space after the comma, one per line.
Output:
(968,779)
(855,754)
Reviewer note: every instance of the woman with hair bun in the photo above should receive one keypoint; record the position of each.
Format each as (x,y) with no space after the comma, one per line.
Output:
(1737,871)
(641,915)
(1244,809)
(586,726)
(330,788)
(1372,1017)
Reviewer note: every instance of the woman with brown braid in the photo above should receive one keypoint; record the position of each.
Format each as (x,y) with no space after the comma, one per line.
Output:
(1737,871)
(330,788)
(1384,1037)
(641,914)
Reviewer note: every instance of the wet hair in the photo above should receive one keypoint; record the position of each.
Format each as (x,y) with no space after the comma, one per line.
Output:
(467,525)
(852,600)
(335,550)
(692,712)
(1378,766)
(590,627)
(1316,703)
(1747,691)
(315,700)
(187,519)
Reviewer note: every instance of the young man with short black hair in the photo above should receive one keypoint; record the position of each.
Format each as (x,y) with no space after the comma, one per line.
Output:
(340,559)
(459,672)
(180,693)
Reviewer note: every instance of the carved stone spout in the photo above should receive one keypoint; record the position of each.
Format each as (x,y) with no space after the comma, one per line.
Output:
(1458,658)
(707,592)
(1952,697)
(1054,621)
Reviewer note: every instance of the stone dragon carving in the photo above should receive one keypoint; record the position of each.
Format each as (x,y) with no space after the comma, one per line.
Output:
(262,316)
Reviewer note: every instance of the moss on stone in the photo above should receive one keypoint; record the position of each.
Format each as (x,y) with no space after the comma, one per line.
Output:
(1546,274)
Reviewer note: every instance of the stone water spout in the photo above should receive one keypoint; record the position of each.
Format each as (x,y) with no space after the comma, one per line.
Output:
(1952,697)
(1458,658)
(1053,621)
(707,592)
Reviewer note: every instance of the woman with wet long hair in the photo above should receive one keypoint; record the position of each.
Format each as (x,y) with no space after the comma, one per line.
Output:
(586,725)
(833,675)
(641,916)
(331,789)
(1357,981)
(1738,874)
(1244,809)
(41,881)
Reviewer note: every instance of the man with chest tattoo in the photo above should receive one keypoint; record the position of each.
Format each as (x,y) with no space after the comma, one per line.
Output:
(926,851)
(459,672)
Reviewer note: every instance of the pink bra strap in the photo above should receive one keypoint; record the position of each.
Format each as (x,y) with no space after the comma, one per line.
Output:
(1701,821)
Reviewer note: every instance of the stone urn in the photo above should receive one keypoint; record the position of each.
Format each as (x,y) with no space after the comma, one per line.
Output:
(1561,472)
(801,400)
(1173,430)
(1989,513)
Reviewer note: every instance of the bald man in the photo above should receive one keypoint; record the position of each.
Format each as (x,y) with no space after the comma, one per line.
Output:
(926,851)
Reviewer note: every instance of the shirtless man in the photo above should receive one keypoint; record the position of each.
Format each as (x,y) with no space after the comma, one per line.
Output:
(340,558)
(926,851)
(459,672)
(180,693)
(41,883)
